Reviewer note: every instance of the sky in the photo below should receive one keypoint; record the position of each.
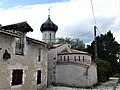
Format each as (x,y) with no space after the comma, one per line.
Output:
(74,18)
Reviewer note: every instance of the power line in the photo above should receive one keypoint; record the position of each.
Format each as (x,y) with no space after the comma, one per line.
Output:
(117,13)
(94,16)
(95,28)
(93,12)
(85,34)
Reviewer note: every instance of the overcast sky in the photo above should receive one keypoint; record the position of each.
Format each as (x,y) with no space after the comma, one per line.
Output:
(73,17)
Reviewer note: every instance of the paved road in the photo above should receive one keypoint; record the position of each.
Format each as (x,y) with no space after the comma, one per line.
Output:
(110,85)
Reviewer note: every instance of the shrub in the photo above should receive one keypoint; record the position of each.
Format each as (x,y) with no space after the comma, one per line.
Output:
(103,70)
(119,80)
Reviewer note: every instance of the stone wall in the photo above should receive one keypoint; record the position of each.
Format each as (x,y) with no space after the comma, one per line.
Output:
(52,59)
(28,63)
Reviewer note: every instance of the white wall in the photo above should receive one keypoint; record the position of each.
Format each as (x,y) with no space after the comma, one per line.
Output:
(48,36)
(68,74)
(71,75)
(52,59)
(92,71)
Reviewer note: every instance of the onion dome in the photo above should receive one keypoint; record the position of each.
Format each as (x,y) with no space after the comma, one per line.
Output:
(48,26)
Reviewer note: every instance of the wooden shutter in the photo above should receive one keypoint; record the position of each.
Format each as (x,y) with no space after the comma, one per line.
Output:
(17,77)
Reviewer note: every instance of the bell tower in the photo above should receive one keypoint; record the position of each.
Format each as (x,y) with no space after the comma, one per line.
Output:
(48,30)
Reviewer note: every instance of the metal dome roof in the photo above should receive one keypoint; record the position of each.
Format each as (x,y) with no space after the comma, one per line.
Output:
(48,26)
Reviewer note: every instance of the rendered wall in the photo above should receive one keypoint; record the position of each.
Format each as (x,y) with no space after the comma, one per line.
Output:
(52,59)
(48,36)
(75,75)
(28,62)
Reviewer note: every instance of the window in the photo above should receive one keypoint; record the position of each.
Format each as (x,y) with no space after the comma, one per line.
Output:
(60,58)
(68,58)
(75,58)
(83,58)
(39,77)
(19,48)
(39,57)
(17,77)
(79,58)
(50,37)
(45,35)
(64,58)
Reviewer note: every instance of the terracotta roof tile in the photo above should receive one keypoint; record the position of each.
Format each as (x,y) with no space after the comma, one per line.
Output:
(73,51)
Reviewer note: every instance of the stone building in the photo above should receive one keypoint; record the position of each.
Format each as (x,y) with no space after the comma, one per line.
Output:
(66,66)
(76,67)
(23,60)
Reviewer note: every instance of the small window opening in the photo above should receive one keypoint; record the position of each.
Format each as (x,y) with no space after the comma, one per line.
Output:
(64,58)
(83,58)
(68,58)
(79,58)
(39,57)
(39,77)
(75,58)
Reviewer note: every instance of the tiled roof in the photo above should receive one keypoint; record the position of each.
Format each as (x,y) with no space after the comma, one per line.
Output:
(22,26)
(38,41)
(73,51)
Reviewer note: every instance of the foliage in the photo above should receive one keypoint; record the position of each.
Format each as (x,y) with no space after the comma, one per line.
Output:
(103,69)
(119,80)
(107,48)
(119,67)
(74,43)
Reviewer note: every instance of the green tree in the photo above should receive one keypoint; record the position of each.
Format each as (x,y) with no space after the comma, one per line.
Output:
(107,48)
(103,70)
(74,43)
(119,80)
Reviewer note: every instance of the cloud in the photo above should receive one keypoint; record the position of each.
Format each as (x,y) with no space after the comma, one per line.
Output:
(73,17)
(1,3)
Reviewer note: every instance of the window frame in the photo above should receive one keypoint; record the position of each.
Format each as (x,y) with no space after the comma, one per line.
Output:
(19,47)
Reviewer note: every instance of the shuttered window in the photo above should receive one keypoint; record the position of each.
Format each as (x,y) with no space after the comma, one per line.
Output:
(17,77)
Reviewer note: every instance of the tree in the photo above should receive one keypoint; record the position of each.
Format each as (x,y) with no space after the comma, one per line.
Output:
(107,48)
(74,43)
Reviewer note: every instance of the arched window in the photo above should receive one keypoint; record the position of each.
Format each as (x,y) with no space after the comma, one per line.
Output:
(75,58)
(79,58)
(68,58)
(60,58)
(50,37)
(83,58)
(45,35)
(64,58)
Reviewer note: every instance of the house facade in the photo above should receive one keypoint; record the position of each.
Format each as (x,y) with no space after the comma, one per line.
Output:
(23,60)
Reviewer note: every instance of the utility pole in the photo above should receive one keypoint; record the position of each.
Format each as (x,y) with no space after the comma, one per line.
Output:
(95,46)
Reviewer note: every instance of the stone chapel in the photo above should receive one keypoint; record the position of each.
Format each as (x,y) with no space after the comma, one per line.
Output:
(66,66)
